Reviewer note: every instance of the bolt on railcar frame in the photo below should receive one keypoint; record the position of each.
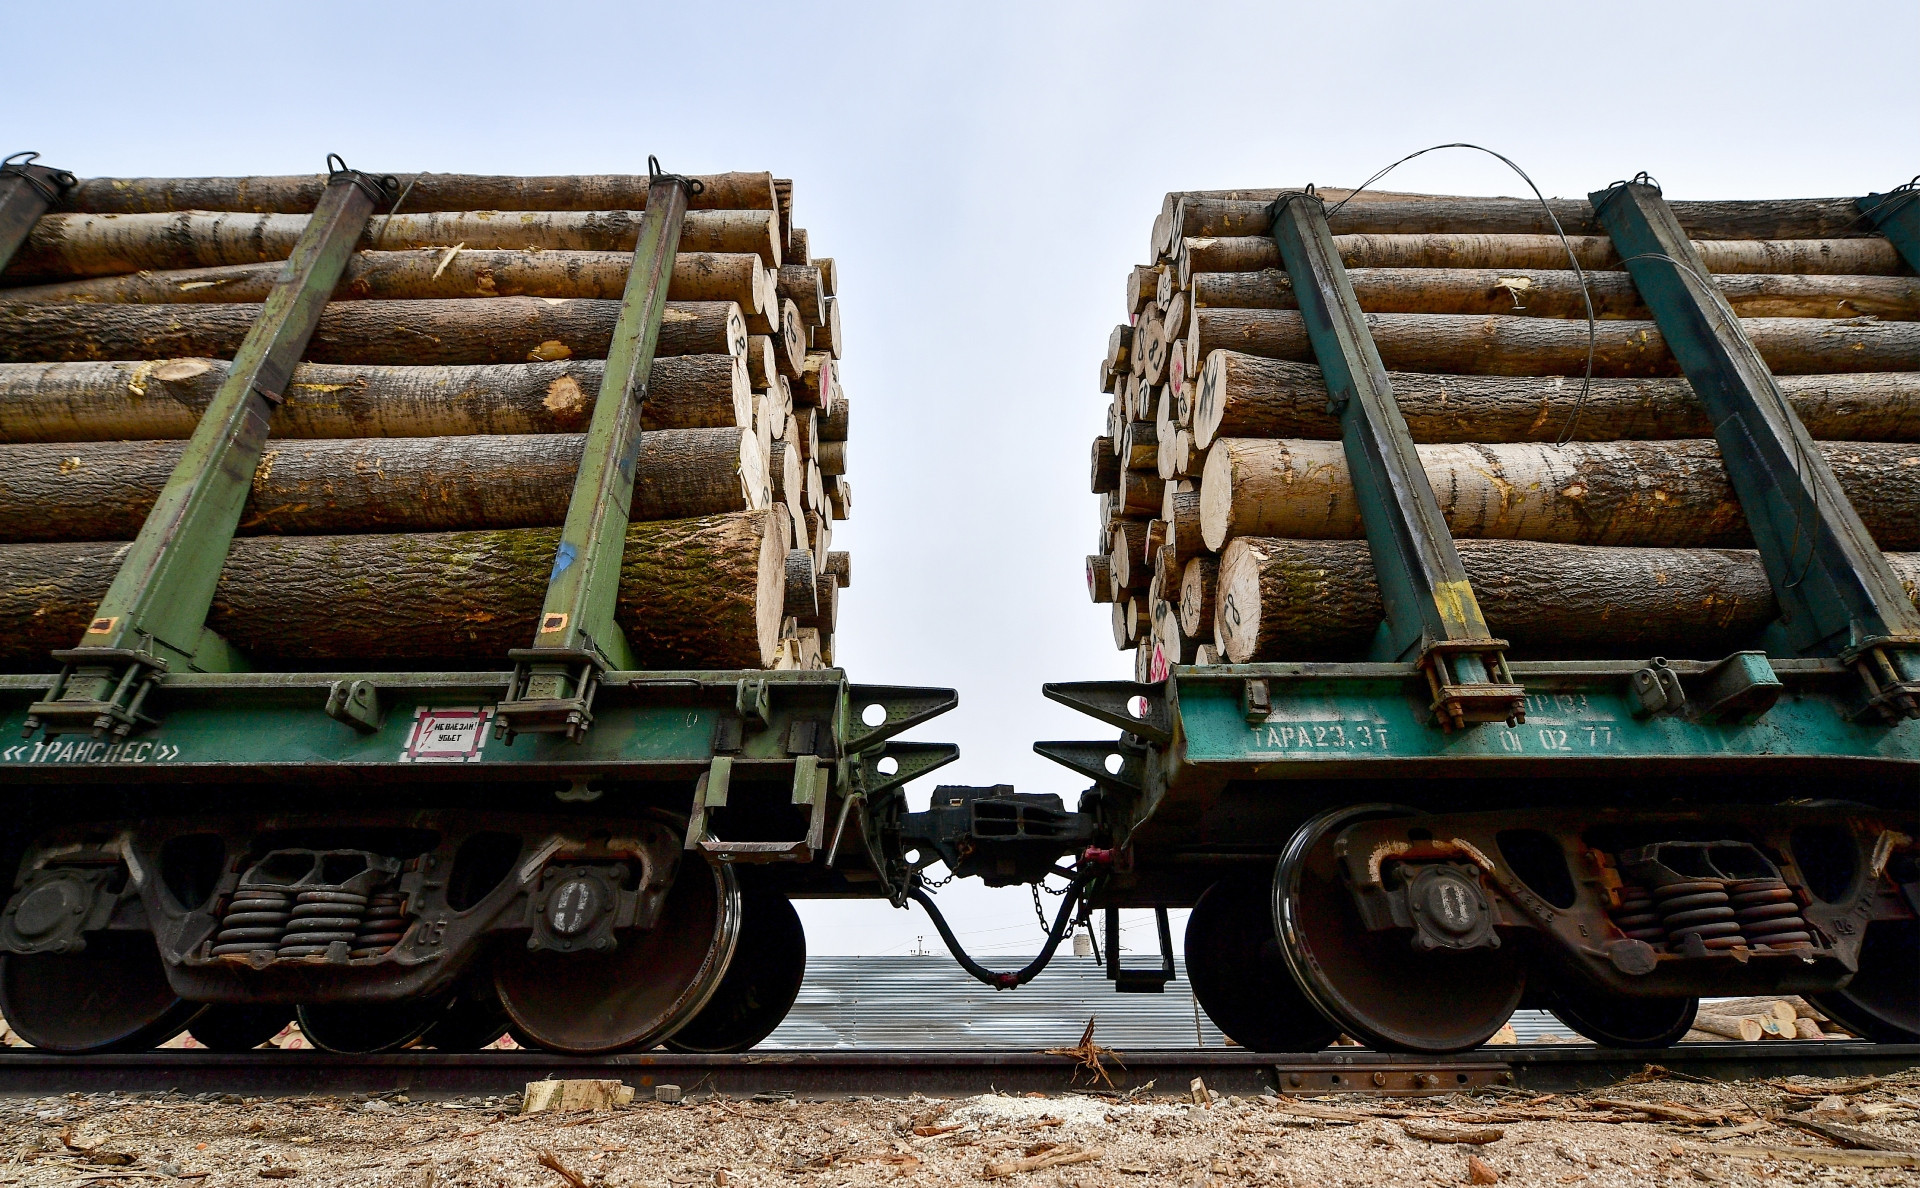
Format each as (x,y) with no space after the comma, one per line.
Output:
(607,850)
(1436,834)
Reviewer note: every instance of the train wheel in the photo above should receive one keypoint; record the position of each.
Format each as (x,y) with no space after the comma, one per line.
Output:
(112,996)
(474,1019)
(1616,1021)
(1374,984)
(762,980)
(1882,1002)
(359,1029)
(234,1027)
(1237,973)
(584,1004)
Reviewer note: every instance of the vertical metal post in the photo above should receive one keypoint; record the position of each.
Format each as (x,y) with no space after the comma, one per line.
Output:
(27,191)
(577,638)
(154,614)
(1837,595)
(1432,615)
(1897,216)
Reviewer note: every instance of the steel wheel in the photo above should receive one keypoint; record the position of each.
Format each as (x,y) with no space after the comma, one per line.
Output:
(471,1021)
(112,996)
(236,1027)
(761,982)
(1237,973)
(585,1004)
(1373,984)
(1617,1021)
(1882,1002)
(359,1029)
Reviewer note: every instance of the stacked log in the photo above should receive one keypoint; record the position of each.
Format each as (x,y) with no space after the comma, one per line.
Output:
(407,504)
(1595,519)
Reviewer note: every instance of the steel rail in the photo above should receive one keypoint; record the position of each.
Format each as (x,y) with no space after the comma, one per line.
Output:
(1553,1068)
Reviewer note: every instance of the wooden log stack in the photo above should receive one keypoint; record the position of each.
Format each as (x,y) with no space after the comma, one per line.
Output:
(408,501)
(1594,520)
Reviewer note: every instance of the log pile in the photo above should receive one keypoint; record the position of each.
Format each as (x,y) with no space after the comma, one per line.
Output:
(1229,531)
(408,502)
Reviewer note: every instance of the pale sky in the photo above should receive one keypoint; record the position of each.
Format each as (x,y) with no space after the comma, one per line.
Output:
(983,175)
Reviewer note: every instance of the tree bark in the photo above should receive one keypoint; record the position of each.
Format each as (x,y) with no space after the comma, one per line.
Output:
(1198,582)
(299,193)
(833,458)
(1556,293)
(1141,492)
(1242,395)
(1320,600)
(1099,578)
(393,333)
(422,275)
(1670,494)
(1786,218)
(138,401)
(801,284)
(1870,256)
(826,336)
(76,245)
(103,490)
(699,593)
(1180,510)
(1129,554)
(1493,345)
(833,426)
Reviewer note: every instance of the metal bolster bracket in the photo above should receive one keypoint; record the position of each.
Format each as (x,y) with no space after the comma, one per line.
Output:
(1896,215)
(1116,703)
(905,706)
(1139,981)
(27,191)
(1432,614)
(153,618)
(1090,760)
(912,760)
(1837,595)
(577,639)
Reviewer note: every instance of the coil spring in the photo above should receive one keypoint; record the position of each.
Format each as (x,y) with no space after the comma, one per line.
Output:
(1638,916)
(321,919)
(254,921)
(1702,908)
(382,927)
(1768,913)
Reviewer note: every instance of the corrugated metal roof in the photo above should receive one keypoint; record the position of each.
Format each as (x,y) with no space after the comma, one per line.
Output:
(930,1002)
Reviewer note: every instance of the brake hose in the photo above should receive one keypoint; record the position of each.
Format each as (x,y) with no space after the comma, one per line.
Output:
(1019,977)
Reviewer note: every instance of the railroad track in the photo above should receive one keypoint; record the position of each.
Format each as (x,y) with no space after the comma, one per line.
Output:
(823,1074)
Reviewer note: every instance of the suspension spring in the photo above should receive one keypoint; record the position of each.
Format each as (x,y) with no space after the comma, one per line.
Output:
(322,918)
(1699,907)
(1768,913)
(254,921)
(384,923)
(1637,916)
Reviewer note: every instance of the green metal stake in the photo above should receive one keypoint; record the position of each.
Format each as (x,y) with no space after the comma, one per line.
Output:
(1432,614)
(27,191)
(1837,595)
(153,618)
(1897,216)
(577,638)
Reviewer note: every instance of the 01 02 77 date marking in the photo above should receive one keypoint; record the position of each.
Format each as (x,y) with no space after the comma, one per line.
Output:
(1597,737)
(1321,736)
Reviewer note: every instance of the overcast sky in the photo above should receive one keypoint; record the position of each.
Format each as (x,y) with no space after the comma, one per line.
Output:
(983,174)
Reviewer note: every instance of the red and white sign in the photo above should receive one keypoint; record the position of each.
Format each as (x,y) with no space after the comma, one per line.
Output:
(448,735)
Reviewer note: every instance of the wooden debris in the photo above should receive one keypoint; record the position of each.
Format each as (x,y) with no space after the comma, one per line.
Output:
(1479,1171)
(1089,1054)
(1474,1136)
(1054,1158)
(1822,1155)
(571,1095)
(548,1159)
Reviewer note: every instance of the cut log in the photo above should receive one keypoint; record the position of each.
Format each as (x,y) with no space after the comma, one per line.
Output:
(840,497)
(1120,618)
(393,333)
(1150,349)
(1142,283)
(1197,584)
(762,371)
(1120,349)
(703,593)
(77,245)
(1181,512)
(1127,550)
(1141,492)
(1243,395)
(1549,293)
(140,401)
(833,458)
(802,600)
(1740,1027)
(1171,646)
(1141,448)
(299,193)
(1788,218)
(840,568)
(801,284)
(833,426)
(103,490)
(1495,345)
(1319,600)
(783,472)
(1099,578)
(815,388)
(1672,494)
(1865,257)
(826,336)
(791,352)
(1105,467)
(441,274)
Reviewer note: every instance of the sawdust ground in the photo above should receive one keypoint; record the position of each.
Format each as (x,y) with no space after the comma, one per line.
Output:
(483,1142)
